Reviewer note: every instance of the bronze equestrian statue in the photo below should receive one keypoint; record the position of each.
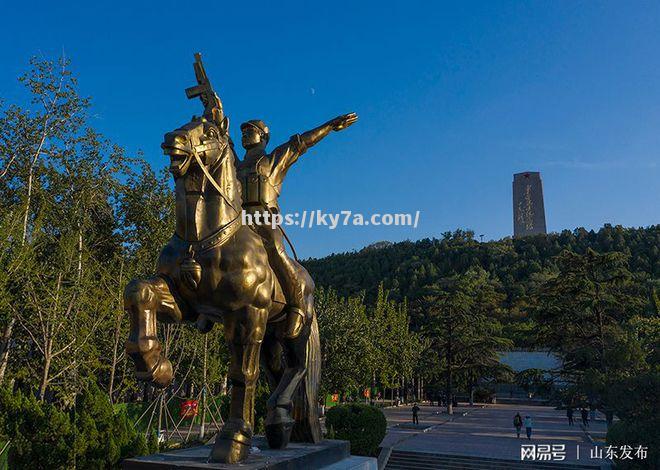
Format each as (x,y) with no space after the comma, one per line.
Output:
(214,269)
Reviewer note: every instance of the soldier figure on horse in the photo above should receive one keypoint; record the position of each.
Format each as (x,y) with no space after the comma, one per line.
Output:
(261,175)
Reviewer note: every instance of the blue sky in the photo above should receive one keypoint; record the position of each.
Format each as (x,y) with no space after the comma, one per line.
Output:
(453,98)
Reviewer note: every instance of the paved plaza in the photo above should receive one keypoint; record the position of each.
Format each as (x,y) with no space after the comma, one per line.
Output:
(487,431)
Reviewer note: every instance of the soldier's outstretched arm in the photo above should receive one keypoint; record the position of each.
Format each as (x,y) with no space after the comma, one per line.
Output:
(337,124)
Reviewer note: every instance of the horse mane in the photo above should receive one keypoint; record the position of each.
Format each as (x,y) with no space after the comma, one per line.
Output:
(228,176)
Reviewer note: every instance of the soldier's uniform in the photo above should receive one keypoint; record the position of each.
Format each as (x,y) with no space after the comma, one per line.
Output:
(261,178)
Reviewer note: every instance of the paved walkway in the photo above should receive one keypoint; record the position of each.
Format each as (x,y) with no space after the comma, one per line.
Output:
(488,432)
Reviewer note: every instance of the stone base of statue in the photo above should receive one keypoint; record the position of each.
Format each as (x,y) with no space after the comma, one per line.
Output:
(327,454)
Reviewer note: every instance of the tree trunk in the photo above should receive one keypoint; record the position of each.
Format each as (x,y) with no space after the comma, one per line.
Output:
(44,378)
(5,345)
(115,354)
(28,201)
(6,336)
(405,391)
(80,252)
(115,349)
(450,395)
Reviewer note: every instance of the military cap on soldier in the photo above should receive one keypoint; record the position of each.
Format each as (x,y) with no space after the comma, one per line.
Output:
(259,125)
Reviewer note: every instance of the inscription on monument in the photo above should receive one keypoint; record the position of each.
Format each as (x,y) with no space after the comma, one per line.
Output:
(528,210)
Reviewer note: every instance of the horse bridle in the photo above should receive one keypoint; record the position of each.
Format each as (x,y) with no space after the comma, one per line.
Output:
(197,149)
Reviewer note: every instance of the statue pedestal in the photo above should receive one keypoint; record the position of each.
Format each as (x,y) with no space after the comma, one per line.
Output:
(327,454)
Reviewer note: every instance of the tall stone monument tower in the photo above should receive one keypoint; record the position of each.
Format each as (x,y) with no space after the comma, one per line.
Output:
(528,210)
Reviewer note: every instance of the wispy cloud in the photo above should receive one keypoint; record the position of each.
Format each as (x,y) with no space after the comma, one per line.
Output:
(601,165)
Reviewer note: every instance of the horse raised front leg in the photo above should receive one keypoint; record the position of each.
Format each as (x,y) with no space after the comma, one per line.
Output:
(244,332)
(145,300)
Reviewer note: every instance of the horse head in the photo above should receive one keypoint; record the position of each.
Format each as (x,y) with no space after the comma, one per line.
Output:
(205,137)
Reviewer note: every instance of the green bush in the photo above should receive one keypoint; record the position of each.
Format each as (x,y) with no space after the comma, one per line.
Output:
(363,425)
(91,436)
(103,436)
(634,401)
(41,435)
(635,434)
(4,461)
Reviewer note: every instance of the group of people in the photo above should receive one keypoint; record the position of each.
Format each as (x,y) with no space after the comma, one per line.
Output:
(442,400)
(527,423)
(519,422)
(584,414)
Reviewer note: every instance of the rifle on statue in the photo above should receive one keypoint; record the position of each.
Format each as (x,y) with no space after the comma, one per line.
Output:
(205,91)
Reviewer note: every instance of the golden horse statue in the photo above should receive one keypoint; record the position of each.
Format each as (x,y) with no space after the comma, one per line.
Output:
(215,269)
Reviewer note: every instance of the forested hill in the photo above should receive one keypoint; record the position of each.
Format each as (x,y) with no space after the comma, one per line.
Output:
(518,264)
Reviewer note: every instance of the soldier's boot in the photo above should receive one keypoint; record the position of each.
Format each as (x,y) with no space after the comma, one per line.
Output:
(295,321)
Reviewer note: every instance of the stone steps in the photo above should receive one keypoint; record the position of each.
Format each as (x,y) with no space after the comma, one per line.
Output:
(406,460)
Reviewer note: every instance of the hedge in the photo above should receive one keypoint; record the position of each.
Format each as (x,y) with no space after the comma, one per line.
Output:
(363,425)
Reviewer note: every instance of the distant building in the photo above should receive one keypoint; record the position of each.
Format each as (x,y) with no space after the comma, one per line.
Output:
(523,360)
(528,210)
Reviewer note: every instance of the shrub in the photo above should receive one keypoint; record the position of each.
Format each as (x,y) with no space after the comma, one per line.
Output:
(364,426)
(41,435)
(91,436)
(635,434)
(634,401)
(103,436)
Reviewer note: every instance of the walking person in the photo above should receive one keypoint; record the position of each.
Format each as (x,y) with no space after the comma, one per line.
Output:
(415,412)
(528,426)
(585,417)
(569,415)
(517,423)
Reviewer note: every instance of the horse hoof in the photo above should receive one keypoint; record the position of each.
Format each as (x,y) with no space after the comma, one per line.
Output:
(163,374)
(230,448)
(279,434)
(278,427)
(150,365)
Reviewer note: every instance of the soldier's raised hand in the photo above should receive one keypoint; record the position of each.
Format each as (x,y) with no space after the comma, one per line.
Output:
(342,122)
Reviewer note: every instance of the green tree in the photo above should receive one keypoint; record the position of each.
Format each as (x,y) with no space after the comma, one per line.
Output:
(533,381)
(396,349)
(347,352)
(145,209)
(460,325)
(29,136)
(582,313)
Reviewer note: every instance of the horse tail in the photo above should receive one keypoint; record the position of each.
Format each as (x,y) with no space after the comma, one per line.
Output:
(307,427)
